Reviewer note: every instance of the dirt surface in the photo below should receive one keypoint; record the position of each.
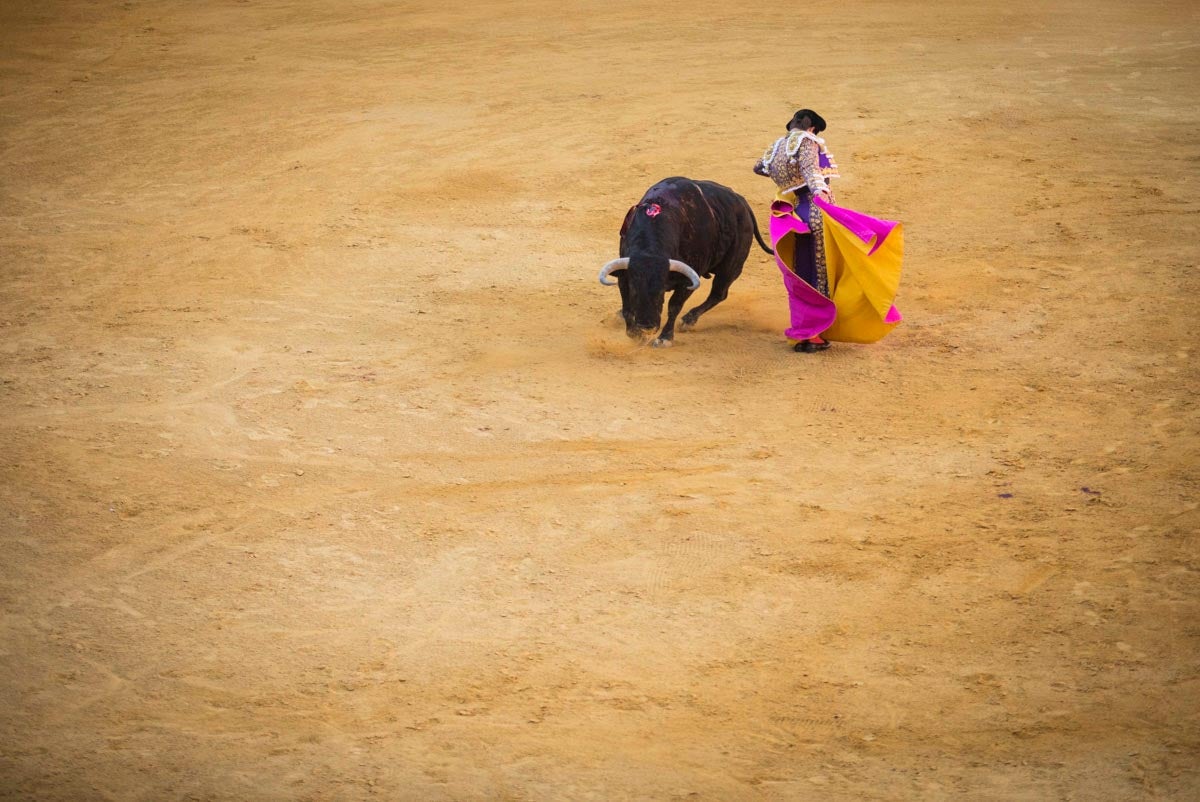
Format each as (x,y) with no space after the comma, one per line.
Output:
(327,473)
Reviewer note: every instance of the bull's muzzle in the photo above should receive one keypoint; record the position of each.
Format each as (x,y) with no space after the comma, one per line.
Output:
(641,333)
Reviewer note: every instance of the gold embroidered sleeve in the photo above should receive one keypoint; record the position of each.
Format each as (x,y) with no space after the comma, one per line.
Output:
(810,167)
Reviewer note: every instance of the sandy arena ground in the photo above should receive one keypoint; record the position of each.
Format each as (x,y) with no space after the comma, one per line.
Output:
(326,472)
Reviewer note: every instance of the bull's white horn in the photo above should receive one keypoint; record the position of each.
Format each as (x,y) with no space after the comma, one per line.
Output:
(680,267)
(615,264)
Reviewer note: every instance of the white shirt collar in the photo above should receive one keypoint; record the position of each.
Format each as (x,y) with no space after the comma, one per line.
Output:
(807,135)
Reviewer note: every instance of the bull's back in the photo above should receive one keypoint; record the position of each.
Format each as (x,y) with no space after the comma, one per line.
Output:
(667,189)
(701,222)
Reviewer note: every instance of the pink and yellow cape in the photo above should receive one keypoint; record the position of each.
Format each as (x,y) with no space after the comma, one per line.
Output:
(862,261)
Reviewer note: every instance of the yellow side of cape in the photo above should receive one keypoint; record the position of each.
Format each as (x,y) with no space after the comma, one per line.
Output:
(861,286)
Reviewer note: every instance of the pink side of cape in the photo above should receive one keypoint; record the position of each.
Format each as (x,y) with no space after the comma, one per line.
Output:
(860,225)
(811,311)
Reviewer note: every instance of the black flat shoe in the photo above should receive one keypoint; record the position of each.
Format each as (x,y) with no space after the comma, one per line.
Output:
(808,346)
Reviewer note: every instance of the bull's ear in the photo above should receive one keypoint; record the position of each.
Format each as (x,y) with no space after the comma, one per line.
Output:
(628,219)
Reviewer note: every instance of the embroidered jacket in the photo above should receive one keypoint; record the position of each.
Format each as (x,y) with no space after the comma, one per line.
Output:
(798,160)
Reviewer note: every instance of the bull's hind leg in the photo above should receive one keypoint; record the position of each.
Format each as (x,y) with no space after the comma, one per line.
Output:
(667,335)
(719,292)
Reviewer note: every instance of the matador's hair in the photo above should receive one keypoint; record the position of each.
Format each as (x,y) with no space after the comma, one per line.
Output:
(807,118)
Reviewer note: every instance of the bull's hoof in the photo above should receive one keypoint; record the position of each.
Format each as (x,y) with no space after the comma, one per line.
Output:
(687,325)
(661,343)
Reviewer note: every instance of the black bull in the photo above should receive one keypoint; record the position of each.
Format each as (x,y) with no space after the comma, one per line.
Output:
(680,231)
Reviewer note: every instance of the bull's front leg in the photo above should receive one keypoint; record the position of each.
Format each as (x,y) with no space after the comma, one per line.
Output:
(666,337)
(720,291)
(623,286)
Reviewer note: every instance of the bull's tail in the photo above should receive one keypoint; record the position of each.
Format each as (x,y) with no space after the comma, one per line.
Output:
(757,236)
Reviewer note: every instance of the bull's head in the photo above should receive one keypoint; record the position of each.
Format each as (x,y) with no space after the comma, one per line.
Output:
(644,281)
